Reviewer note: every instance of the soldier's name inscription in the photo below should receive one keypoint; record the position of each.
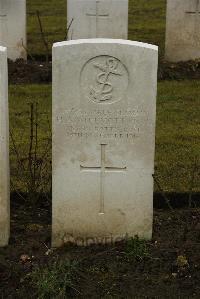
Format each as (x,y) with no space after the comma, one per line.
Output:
(127,124)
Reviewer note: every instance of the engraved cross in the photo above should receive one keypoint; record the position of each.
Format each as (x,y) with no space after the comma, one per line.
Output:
(103,169)
(196,14)
(197,10)
(97,16)
(3,9)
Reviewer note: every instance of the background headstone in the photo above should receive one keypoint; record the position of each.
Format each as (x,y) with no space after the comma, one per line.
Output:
(182,30)
(4,151)
(97,18)
(104,106)
(13,27)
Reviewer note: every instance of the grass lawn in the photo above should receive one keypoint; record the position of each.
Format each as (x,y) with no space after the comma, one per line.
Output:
(177,131)
(177,108)
(177,135)
(30,138)
(146,22)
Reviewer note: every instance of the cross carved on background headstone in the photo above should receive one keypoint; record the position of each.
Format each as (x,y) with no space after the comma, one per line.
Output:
(3,9)
(97,15)
(197,10)
(196,13)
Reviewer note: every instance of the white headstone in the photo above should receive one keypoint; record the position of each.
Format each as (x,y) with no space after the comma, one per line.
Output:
(104,106)
(13,27)
(4,151)
(97,18)
(182,30)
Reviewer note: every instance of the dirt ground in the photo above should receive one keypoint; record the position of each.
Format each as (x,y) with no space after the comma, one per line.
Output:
(170,270)
(22,72)
(40,72)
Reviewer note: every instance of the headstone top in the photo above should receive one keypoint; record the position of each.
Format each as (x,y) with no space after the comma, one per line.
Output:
(105,41)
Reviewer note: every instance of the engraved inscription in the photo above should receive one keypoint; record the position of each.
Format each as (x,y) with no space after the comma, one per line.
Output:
(103,124)
(86,241)
(103,169)
(104,80)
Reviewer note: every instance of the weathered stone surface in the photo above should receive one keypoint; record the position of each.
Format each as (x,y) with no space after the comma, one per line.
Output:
(13,27)
(98,18)
(4,152)
(104,106)
(182,30)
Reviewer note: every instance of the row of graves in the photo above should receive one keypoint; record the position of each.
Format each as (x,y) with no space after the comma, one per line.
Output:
(104,111)
(106,19)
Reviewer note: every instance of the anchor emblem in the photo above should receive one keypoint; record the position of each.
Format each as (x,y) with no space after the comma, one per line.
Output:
(105,88)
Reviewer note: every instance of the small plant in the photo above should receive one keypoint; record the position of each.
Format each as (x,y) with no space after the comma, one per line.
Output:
(182,261)
(45,42)
(31,156)
(56,280)
(136,248)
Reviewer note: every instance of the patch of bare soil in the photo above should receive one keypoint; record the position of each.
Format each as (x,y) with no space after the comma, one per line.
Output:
(179,71)
(170,270)
(40,72)
(22,72)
